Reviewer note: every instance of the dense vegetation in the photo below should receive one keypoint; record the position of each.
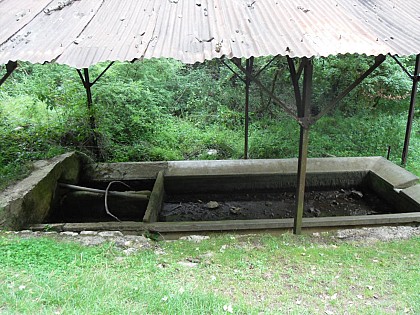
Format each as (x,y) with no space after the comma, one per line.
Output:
(165,110)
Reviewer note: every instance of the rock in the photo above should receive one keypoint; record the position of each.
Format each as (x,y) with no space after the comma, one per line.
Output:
(235,210)
(188,264)
(195,238)
(25,232)
(212,152)
(314,211)
(212,205)
(130,251)
(137,238)
(110,233)
(91,240)
(67,233)
(356,194)
(84,233)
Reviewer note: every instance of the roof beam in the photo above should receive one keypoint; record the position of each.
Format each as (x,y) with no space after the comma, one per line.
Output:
(378,61)
(286,107)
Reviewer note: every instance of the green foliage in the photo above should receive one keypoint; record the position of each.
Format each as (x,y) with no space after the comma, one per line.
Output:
(164,110)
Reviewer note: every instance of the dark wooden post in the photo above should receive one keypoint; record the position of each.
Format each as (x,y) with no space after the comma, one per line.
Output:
(411,111)
(305,109)
(10,67)
(249,66)
(87,84)
(88,87)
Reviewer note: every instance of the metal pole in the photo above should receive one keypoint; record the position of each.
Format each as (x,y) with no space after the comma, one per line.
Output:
(411,111)
(303,146)
(249,65)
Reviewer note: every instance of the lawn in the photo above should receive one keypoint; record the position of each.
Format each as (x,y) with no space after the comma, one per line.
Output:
(251,274)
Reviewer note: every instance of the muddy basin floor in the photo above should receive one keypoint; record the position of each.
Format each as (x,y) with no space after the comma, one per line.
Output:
(276,205)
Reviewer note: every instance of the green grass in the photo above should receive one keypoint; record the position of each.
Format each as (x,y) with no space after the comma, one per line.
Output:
(252,274)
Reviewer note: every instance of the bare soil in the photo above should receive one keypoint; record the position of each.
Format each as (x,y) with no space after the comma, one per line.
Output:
(242,206)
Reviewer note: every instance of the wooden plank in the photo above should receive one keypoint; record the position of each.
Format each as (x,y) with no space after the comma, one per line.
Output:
(240,225)
(156,200)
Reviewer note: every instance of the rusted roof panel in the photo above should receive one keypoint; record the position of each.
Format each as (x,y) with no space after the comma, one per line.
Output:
(80,33)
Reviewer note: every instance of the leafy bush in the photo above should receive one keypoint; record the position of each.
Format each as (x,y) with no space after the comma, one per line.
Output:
(164,110)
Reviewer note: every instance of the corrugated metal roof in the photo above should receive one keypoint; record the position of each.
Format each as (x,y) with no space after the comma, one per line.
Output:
(81,33)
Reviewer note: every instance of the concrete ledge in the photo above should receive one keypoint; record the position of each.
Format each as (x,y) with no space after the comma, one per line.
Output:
(264,166)
(29,201)
(395,176)
(388,180)
(410,198)
(123,171)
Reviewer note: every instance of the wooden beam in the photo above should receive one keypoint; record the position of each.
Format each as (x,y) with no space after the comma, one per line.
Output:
(156,200)
(303,145)
(237,225)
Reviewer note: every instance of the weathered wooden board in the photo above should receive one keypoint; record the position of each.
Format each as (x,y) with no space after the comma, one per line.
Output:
(156,200)
(239,225)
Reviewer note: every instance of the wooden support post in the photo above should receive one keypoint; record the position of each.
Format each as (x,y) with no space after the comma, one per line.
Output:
(249,66)
(87,84)
(156,200)
(10,67)
(300,195)
(303,144)
(411,111)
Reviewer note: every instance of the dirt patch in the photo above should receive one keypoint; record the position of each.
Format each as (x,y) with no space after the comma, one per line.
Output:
(214,207)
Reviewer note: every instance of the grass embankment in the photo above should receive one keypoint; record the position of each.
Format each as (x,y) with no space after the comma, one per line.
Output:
(232,274)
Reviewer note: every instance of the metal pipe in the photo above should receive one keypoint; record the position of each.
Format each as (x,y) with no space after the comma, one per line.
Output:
(411,111)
